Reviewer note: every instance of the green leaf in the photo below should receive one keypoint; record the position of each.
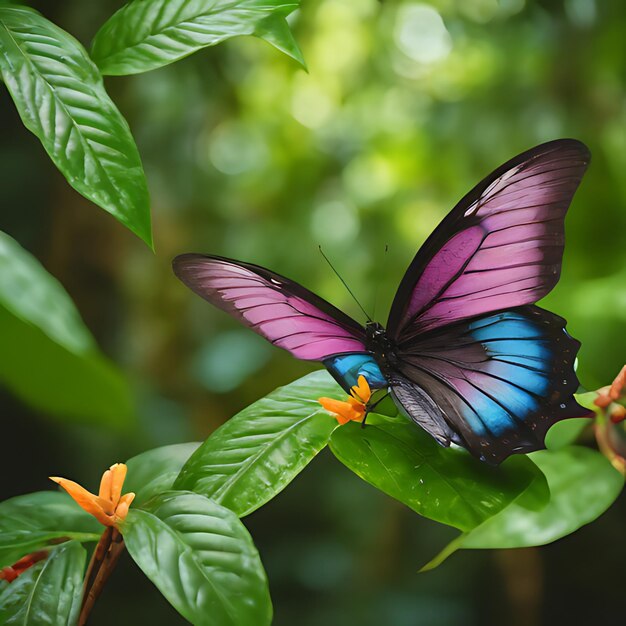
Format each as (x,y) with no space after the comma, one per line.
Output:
(49,359)
(147,34)
(48,593)
(201,558)
(155,471)
(276,31)
(443,484)
(259,451)
(566,432)
(587,399)
(583,485)
(37,520)
(61,98)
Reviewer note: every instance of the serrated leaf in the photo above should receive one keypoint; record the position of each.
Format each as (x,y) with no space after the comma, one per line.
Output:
(48,593)
(37,520)
(201,558)
(61,98)
(147,34)
(155,471)
(443,484)
(49,358)
(583,485)
(259,451)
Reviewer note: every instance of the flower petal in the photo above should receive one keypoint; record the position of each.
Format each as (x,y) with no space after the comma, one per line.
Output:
(122,508)
(96,506)
(118,474)
(105,485)
(347,411)
(361,391)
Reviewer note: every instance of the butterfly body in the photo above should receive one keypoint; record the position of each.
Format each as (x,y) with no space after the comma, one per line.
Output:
(465,353)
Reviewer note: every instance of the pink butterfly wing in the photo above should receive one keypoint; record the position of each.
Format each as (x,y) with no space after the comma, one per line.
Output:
(282,311)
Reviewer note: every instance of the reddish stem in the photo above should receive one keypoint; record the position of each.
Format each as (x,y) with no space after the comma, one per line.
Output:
(102,564)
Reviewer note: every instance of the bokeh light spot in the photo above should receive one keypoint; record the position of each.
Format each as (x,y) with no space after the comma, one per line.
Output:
(227,360)
(235,148)
(334,222)
(421,34)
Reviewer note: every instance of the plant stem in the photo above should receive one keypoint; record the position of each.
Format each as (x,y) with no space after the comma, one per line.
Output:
(102,564)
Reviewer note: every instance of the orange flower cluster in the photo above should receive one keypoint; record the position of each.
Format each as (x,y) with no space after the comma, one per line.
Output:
(109,507)
(609,395)
(355,408)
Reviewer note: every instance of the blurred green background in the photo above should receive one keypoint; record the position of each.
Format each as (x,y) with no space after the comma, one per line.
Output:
(405,106)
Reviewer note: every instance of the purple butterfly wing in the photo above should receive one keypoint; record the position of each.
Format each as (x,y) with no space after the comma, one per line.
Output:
(282,311)
(500,247)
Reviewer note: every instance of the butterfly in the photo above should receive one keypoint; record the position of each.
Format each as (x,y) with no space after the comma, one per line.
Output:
(465,353)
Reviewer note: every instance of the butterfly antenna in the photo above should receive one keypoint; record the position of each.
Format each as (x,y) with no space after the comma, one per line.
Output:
(369,319)
(384,266)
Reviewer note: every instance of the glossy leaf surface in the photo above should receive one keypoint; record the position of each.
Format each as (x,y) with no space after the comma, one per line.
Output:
(146,34)
(201,558)
(48,593)
(37,520)
(61,98)
(443,484)
(259,451)
(583,485)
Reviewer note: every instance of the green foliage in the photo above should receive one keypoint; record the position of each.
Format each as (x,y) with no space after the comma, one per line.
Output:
(201,558)
(254,159)
(189,540)
(443,484)
(152,472)
(259,451)
(566,432)
(583,485)
(60,97)
(49,358)
(47,594)
(147,34)
(36,520)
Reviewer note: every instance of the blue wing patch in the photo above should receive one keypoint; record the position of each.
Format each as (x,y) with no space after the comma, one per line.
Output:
(499,381)
(346,369)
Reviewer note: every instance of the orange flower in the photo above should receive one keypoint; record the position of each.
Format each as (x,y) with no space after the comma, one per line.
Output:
(109,507)
(355,408)
(609,395)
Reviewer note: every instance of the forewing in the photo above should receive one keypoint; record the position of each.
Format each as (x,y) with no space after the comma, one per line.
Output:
(499,382)
(275,307)
(500,247)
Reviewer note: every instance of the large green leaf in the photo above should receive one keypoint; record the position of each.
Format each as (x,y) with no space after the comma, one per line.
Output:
(146,34)
(443,484)
(48,593)
(583,484)
(201,558)
(155,471)
(49,359)
(61,98)
(259,451)
(36,520)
